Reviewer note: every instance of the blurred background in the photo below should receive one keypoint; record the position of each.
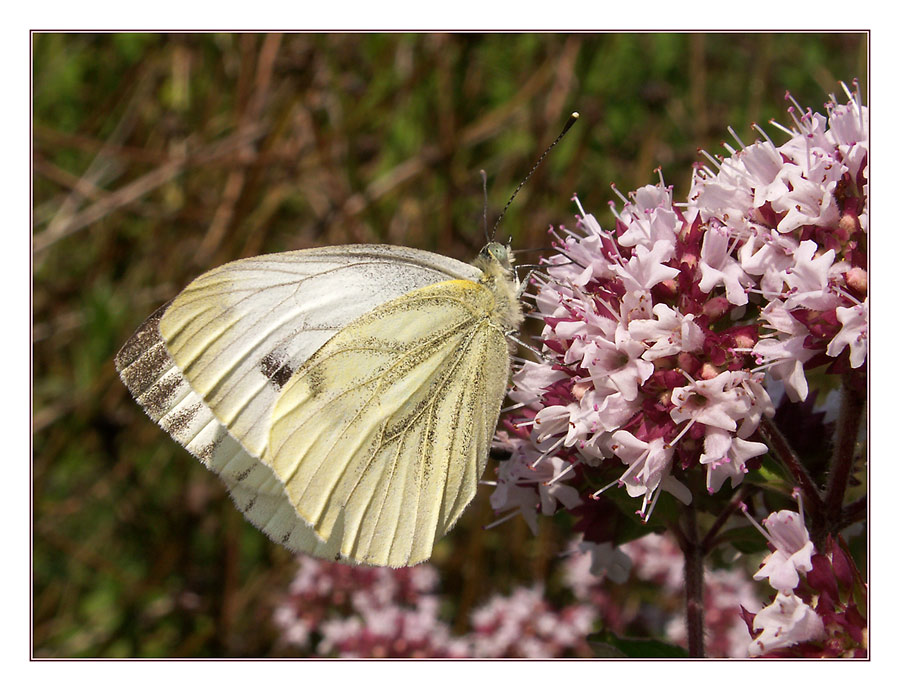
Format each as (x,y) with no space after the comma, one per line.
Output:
(159,156)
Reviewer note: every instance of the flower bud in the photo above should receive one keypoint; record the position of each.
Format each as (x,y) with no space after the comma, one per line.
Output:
(857,278)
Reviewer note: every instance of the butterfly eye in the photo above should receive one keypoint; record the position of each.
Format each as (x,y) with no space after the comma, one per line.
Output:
(496,252)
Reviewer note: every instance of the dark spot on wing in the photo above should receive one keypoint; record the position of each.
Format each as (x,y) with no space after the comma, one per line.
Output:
(205,454)
(145,370)
(240,477)
(143,339)
(180,420)
(275,368)
(156,399)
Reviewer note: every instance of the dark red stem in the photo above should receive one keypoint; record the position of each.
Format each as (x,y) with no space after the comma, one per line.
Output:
(853,405)
(692,548)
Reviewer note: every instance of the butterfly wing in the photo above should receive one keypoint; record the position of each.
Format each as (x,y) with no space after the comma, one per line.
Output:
(381,436)
(255,321)
(238,332)
(158,385)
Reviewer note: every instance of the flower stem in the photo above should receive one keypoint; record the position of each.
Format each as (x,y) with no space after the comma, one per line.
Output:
(692,548)
(709,541)
(853,512)
(853,403)
(782,450)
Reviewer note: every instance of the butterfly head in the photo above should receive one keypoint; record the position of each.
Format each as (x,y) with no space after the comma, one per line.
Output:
(495,259)
(495,262)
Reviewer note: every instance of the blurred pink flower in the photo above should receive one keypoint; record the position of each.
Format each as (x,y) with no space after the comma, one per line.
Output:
(524,625)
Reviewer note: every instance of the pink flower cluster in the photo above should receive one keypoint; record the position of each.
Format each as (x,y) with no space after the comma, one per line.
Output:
(352,611)
(819,609)
(339,610)
(355,611)
(524,624)
(658,334)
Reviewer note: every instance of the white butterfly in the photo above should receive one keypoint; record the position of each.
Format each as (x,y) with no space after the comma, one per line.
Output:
(347,396)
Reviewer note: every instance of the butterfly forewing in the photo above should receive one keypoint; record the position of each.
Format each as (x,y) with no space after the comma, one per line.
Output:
(238,332)
(383,433)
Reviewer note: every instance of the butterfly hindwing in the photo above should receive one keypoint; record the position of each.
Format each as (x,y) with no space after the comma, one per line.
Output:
(383,433)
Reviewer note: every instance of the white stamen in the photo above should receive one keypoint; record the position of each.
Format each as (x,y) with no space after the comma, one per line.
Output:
(712,160)
(619,194)
(549,452)
(789,132)
(562,474)
(500,521)
(736,137)
(682,432)
(578,204)
(765,136)
(603,489)
(518,406)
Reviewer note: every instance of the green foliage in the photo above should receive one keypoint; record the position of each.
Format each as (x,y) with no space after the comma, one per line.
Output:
(359,138)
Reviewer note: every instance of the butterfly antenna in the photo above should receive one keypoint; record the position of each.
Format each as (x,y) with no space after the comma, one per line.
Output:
(571,121)
(484,187)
